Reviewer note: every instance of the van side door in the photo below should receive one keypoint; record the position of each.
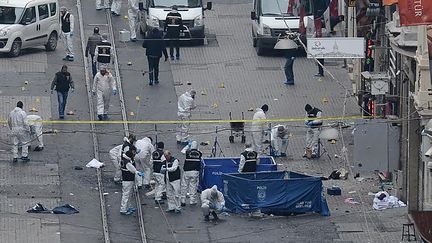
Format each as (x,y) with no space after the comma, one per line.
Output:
(43,23)
(30,29)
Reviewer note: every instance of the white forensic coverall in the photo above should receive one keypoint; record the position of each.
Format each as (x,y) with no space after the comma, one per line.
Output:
(133,17)
(143,160)
(212,200)
(67,37)
(190,179)
(116,6)
(258,130)
(115,156)
(101,4)
(103,86)
(127,189)
(173,188)
(312,133)
(35,124)
(185,104)
(20,132)
(279,140)
(160,185)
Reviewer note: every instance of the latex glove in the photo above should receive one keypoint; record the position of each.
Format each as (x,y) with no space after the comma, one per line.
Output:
(114,92)
(71,34)
(163,167)
(52,91)
(140,173)
(163,170)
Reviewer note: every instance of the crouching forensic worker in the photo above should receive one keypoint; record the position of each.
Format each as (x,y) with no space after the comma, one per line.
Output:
(213,202)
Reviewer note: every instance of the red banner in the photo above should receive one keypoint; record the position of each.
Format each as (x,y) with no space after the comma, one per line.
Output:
(415,12)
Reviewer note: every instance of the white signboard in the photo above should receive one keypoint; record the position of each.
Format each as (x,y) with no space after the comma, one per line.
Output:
(340,47)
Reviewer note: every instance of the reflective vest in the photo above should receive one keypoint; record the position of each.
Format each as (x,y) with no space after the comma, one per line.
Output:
(104,52)
(126,174)
(251,161)
(174,175)
(65,21)
(313,114)
(193,160)
(157,160)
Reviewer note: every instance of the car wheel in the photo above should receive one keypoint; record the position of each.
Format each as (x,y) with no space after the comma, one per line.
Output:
(51,45)
(254,40)
(15,48)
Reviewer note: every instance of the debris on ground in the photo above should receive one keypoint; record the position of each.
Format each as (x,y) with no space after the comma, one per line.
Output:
(38,208)
(94,163)
(65,209)
(334,191)
(383,200)
(351,200)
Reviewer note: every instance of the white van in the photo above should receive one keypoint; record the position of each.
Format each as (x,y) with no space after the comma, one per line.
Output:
(153,14)
(28,23)
(270,19)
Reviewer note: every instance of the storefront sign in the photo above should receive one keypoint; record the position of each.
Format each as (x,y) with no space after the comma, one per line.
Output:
(336,47)
(415,12)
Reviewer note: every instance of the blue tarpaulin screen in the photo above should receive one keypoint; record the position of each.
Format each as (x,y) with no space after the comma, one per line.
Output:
(213,168)
(274,192)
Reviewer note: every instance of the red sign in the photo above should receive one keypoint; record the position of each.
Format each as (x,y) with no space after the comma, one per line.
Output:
(415,12)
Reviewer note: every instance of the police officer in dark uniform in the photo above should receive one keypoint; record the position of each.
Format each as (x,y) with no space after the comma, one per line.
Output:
(129,171)
(248,160)
(173,25)
(157,162)
(103,53)
(172,169)
(314,129)
(191,168)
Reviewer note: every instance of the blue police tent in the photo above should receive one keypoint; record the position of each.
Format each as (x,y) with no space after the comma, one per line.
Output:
(213,168)
(277,192)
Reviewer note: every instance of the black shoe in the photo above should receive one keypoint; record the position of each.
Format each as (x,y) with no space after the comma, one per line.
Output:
(172,58)
(150,82)
(133,39)
(66,58)
(177,57)
(179,142)
(15,160)
(283,155)
(38,148)
(215,215)
(206,218)
(25,159)
(105,117)
(156,81)
(183,204)
(100,117)
(148,187)
(61,117)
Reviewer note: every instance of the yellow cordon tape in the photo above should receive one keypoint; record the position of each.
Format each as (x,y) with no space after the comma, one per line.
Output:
(199,121)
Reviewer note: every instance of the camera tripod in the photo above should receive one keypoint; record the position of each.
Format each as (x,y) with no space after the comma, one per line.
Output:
(216,147)
(322,150)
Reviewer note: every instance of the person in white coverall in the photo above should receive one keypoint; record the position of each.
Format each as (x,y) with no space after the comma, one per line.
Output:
(115,7)
(143,161)
(191,169)
(259,128)
(115,156)
(172,170)
(186,103)
(20,132)
(279,140)
(35,124)
(67,31)
(156,161)
(101,4)
(133,18)
(212,201)
(103,85)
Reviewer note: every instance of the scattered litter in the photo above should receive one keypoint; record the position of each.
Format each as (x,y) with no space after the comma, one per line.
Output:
(26,82)
(78,168)
(383,201)
(115,192)
(251,109)
(221,86)
(352,192)
(23,88)
(57,233)
(71,194)
(178,83)
(105,193)
(132,113)
(351,200)
(203,93)
(137,98)
(360,179)
(94,163)
(126,17)
(324,100)
(38,208)
(275,99)
(189,83)
(334,191)
(215,105)
(65,209)
(204,143)
(371,194)
(33,109)
(341,174)
(70,113)
(129,63)
(37,100)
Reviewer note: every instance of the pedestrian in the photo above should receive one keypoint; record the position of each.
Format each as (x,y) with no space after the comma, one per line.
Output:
(259,128)
(35,124)
(20,132)
(191,170)
(185,104)
(103,55)
(115,156)
(313,123)
(92,41)
(279,140)
(320,63)
(289,64)
(212,201)
(67,31)
(128,177)
(143,159)
(133,18)
(103,85)
(173,26)
(172,170)
(160,186)
(155,47)
(115,7)
(102,4)
(62,82)
(248,159)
